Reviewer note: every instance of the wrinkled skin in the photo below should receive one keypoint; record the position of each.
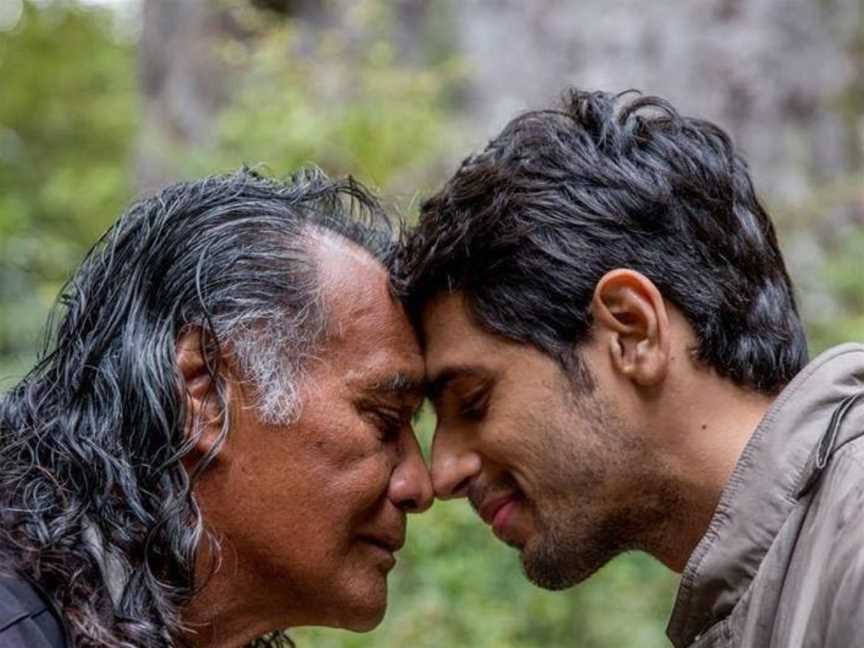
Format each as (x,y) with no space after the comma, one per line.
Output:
(310,514)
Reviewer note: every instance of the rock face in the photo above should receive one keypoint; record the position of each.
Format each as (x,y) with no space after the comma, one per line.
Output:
(780,74)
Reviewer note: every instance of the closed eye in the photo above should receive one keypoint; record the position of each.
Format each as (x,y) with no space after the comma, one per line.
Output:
(475,405)
(388,423)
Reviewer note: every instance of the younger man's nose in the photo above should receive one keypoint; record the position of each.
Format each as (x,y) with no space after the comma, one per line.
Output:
(453,467)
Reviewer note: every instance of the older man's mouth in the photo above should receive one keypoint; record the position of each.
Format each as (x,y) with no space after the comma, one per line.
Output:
(391,542)
(384,544)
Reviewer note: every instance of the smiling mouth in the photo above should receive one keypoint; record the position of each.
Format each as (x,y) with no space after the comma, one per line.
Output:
(497,508)
(498,512)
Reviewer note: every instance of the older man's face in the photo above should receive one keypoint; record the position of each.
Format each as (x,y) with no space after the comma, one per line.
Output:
(313,513)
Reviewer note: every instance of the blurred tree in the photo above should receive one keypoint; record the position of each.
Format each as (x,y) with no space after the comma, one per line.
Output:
(67,118)
(181,84)
(829,226)
(378,89)
(331,88)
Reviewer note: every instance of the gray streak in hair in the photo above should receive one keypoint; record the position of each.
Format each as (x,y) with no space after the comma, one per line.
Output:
(92,439)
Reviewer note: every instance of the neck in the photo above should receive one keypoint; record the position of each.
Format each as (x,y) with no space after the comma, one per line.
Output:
(228,612)
(709,425)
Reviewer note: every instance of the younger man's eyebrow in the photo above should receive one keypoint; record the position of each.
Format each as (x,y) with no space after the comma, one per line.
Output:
(441,380)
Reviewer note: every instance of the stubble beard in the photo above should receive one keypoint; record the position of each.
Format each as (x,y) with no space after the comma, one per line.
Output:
(568,551)
(555,560)
(579,534)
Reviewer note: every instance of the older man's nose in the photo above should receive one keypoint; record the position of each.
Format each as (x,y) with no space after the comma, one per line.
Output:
(453,466)
(410,485)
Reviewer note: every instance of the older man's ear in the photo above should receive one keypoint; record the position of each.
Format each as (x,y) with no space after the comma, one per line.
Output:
(206,412)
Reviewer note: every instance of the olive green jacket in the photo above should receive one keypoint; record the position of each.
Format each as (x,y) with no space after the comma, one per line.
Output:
(782,562)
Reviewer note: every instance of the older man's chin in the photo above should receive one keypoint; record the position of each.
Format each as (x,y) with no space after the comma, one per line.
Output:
(364,612)
(369,622)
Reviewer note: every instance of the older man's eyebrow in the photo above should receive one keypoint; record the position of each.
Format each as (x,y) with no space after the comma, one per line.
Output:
(398,384)
(406,388)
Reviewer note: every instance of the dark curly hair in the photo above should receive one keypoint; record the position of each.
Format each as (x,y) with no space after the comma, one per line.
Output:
(95,502)
(526,228)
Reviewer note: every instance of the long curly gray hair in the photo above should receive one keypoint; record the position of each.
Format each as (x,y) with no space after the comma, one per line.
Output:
(95,502)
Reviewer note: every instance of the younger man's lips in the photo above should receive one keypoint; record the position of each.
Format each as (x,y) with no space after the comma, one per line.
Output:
(499,522)
(499,513)
(490,510)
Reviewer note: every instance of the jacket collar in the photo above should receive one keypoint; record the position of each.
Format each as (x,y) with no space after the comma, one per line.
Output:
(762,491)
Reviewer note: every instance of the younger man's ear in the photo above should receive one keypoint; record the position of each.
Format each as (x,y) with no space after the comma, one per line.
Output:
(203,403)
(631,309)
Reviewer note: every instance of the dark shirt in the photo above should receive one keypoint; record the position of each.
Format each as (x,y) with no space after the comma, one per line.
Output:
(27,620)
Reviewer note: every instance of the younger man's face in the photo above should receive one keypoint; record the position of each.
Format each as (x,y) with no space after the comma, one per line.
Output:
(552,466)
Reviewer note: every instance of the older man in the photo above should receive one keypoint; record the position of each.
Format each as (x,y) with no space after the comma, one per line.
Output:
(617,363)
(217,442)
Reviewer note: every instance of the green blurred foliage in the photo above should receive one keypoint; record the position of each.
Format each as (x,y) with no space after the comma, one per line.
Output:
(843,276)
(68,133)
(67,124)
(341,100)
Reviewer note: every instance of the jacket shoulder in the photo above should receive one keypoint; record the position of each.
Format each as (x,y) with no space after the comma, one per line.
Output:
(26,619)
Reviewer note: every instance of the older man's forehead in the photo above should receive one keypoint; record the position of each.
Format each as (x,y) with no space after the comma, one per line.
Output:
(380,359)
(345,264)
(368,333)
